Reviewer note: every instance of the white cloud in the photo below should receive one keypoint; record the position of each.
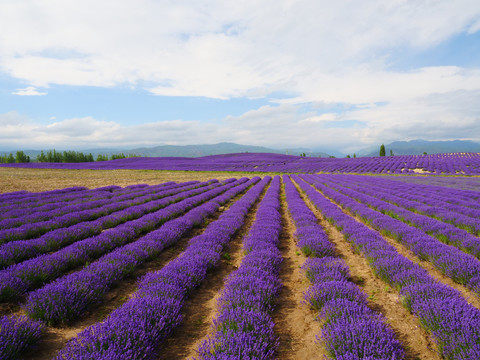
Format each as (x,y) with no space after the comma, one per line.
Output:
(319,52)
(28,91)
(222,49)
(454,115)
(372,86)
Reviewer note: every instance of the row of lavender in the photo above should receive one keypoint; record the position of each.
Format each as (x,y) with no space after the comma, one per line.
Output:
(67,298)
(448,214)
(443,311)
(137,329)
(350,329)
(243,327)
(457,182)
(32,273)
(27,212)
(30,228)
(458,163)
(118,213)
(450,260)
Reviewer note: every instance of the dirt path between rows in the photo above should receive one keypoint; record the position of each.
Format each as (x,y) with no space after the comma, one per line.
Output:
(294,321)
(417,342)
(201,307)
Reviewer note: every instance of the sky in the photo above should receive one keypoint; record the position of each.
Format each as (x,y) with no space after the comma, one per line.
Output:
(316,74)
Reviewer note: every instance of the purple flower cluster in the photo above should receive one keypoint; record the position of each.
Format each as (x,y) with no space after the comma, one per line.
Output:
(350,329)
(135,330)
(459,208)
(57,209)
(66,298)
(33,273)
(243,328)
(96,199)
(114,214)
(17,333)
(34,229)
(460,163)
(31,201)
(456,182)
(312,240)
(462,268)
(59,202)
(453,322)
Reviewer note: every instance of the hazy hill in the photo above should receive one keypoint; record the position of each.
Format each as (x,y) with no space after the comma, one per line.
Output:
(188,150)
(198,150)
(418,147)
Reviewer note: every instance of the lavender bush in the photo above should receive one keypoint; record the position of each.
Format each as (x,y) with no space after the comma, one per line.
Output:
(454,327)
(135,330)
(243,327)
(350,329)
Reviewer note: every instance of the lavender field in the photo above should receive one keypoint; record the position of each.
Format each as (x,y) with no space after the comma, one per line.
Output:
(447,164)
(286,267)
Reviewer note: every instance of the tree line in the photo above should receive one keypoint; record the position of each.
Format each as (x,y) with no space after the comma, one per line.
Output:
(20,157)
(53,156)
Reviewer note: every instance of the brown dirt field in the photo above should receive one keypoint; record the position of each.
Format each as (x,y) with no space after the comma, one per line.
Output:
(382,298)
(201,307)
(16,179)
(294,321)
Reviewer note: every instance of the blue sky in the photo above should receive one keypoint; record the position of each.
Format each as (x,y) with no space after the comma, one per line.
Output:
(283,74)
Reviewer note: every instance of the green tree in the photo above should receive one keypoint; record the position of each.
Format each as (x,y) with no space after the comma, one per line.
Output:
(117,156)
(101,157)
(348,156)
(10,159)
(382,150)
(354,155)
(391,152)
(20,157)
(42,157)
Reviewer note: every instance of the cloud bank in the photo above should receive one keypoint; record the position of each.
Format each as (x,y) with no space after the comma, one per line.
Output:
(436,117)
(300,55)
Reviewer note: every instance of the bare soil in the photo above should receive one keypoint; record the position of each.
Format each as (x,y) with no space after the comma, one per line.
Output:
(201,306)
(294,321)
(16,179)
(469,295)
(55,338)
(417,343)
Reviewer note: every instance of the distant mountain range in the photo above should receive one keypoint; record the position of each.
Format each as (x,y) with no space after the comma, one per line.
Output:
(418,147)
(188,150)
(215,149)
(413,147)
